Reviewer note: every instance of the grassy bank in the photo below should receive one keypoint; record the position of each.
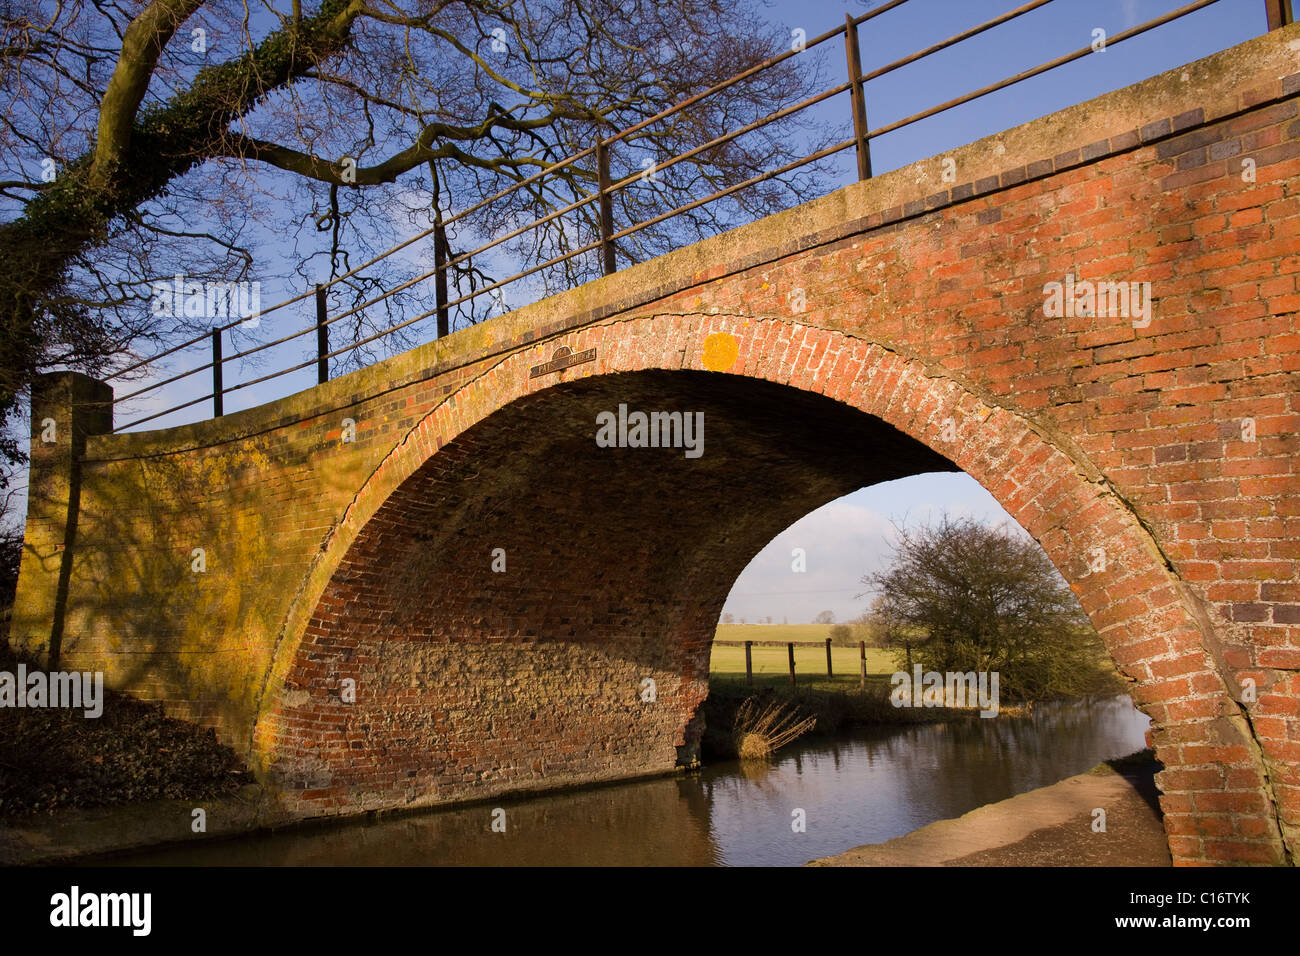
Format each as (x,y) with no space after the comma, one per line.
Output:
(838,701)
(1087,671)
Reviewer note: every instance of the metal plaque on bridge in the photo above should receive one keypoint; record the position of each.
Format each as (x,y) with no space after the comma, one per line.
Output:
(562,358)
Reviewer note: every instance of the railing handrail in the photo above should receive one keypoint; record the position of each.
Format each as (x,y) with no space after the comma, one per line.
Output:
(1278,11)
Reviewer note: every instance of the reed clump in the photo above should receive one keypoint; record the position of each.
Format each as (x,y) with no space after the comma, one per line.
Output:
(760,730)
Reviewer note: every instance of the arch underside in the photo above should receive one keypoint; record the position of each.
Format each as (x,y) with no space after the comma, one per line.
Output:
(471,679)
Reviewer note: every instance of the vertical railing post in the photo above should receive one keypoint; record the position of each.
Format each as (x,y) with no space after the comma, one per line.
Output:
(829,672)
(440,278)
(217,388)
(749,663)
(857,96)
(606,207)
(1279,13)
(862,661)
(322,338)
(790,647)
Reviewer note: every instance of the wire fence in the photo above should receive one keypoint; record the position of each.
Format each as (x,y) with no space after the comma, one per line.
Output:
(609,238)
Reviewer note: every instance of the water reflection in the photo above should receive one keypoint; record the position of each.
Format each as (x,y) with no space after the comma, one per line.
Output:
(862,789)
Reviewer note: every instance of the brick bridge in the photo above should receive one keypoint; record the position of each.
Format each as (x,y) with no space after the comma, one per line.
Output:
(350,533)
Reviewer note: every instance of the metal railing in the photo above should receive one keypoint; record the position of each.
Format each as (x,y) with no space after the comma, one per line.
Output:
(1278,14)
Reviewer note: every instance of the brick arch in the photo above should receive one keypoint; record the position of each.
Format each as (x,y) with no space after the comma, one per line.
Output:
(1150,625)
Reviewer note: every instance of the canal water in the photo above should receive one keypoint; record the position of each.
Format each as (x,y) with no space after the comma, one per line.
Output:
(865,788)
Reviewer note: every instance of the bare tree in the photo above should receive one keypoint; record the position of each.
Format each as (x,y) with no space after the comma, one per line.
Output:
(964,596)
(292,141)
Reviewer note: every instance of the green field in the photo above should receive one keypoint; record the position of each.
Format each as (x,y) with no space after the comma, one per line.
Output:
(773,632)
(772,666)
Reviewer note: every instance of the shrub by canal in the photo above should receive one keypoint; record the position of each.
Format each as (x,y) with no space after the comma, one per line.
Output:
(835,710)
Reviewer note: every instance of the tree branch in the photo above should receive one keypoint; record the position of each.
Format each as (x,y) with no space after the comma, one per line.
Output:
(141,47)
